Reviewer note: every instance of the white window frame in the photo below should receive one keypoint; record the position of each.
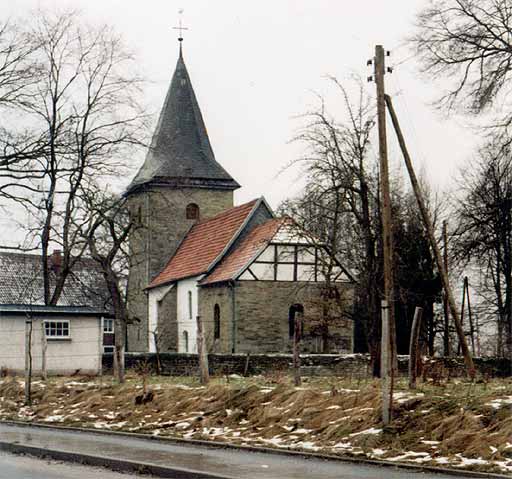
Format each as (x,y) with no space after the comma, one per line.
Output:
(108,321)
(47,328)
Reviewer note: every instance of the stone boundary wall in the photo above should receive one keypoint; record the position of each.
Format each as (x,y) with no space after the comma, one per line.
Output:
(345,365)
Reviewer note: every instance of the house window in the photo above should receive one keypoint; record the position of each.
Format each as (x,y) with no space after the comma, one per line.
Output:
(185,341)
(216,322)
(294,310)
(192,211)
(57,329)
(190,305)
(108,325)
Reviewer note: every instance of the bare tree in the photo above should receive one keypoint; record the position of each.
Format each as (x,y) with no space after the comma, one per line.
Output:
(340,202)
(469,42)
(85,107)
(106,233)
(484,233)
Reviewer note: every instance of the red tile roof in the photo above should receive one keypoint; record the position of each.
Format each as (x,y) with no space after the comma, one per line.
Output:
(203,244)
(255,241)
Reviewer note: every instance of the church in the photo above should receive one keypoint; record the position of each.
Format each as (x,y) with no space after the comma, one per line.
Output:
(244,271)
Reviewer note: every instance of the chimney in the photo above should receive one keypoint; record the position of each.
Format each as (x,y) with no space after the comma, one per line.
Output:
(55,260)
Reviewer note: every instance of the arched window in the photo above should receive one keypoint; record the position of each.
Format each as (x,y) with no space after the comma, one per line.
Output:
(192,211)
(190,305)
(216,322)
(185,341)
(293,311)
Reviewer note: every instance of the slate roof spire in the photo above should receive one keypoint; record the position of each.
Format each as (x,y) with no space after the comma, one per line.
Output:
(180,154)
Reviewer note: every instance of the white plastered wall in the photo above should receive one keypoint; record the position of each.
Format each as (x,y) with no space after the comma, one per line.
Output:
(186,317)
(154,296)
(81,352)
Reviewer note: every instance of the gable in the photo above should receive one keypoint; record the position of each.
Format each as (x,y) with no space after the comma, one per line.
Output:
(278,250)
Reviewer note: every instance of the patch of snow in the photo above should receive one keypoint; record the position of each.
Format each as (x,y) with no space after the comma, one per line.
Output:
(430,443)
(499,403)
(411,456)
(467,461)
(55,418)
(335,406)
(372,430)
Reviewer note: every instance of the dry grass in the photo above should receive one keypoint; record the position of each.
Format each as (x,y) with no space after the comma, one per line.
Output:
(460,424)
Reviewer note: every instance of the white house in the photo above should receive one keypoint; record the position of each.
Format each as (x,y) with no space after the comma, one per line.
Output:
(73,329)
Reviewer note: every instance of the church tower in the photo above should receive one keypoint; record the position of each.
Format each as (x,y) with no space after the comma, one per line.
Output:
(179,183)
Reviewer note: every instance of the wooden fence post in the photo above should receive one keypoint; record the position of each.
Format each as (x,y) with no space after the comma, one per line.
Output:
(28,361)
(204,375)
(44,347)
(297,332)
(414,347)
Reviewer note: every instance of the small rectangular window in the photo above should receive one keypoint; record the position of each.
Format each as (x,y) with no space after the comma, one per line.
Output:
(108,325)
(57,329)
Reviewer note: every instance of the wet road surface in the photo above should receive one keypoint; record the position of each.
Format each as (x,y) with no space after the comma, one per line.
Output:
(226,462)
(26,467)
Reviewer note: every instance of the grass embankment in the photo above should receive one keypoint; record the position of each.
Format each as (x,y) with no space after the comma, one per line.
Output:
(460,424)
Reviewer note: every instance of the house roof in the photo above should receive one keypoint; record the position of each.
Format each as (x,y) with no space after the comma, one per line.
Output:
(204,244)
(232,264)
(180,153)
(21,284)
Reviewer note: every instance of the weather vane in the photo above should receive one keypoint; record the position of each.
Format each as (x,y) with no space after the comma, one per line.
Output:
(180,27)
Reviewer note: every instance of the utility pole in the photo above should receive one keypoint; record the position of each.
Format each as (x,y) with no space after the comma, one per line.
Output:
(388,351)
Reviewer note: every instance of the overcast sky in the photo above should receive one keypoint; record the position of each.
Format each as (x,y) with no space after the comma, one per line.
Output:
(255,64)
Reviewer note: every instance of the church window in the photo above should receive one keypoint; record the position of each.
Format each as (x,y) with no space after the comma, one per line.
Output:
(216,322)
(185,341)
(192,211)
(190,305)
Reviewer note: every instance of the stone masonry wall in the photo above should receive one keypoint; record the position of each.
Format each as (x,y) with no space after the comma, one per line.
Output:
(262,311)
(161,212)
(208,298)
(354,366)
(168,322)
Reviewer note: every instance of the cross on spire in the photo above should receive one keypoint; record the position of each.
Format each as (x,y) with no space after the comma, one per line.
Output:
(180,26)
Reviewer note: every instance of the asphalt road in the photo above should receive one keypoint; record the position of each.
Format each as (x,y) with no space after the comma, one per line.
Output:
(26,467)
(227,463)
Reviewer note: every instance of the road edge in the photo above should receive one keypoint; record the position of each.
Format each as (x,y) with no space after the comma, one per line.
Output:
(256,449)
(117,465)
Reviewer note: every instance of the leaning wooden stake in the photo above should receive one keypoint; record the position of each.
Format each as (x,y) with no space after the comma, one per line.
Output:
(44,347)
(297,332)
(204,376)
(433,243)
(414,347)
(446,335)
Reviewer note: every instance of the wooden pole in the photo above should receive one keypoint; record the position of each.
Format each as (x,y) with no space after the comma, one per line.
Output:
(204,376)
(462,309)
(470,316)
(387,233)
(28,361)
(297,332)
(44,347)
(446,335)
(385,366)
(414,347)
(433,243)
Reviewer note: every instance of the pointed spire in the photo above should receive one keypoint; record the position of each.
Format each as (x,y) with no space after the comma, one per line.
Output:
(180,153)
